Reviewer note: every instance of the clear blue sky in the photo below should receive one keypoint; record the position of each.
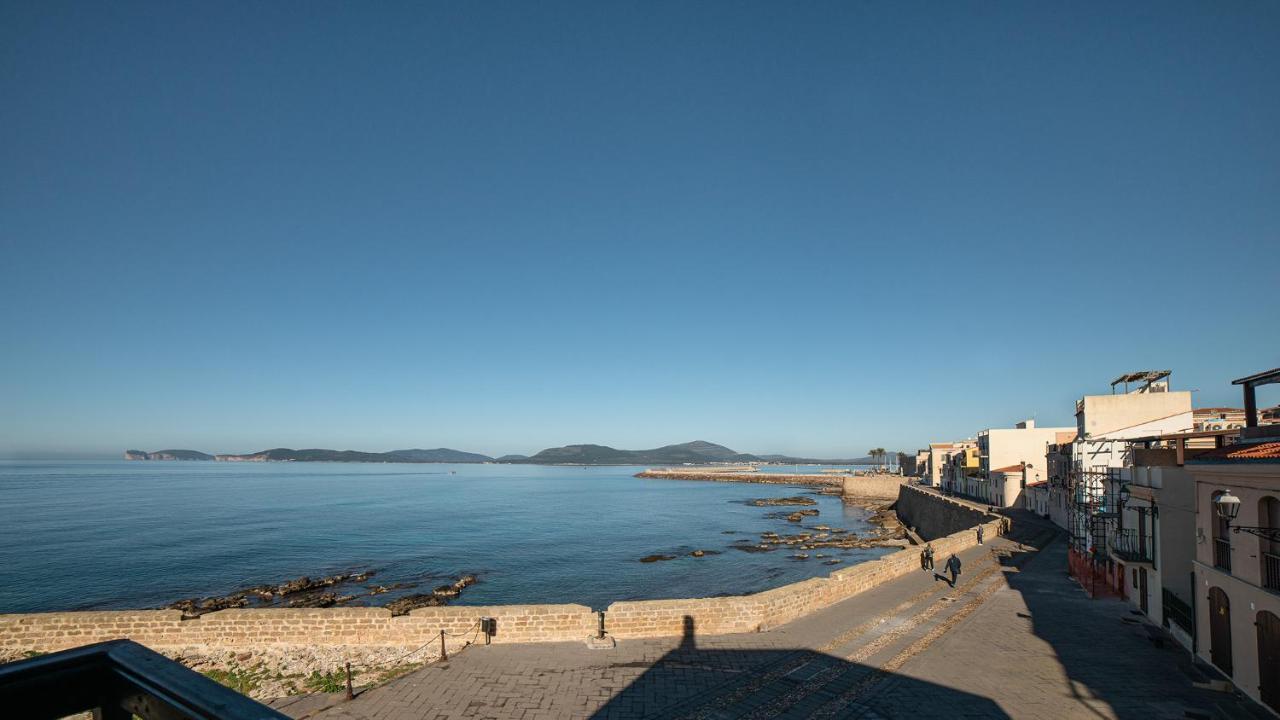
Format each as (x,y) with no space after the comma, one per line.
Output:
(786,227)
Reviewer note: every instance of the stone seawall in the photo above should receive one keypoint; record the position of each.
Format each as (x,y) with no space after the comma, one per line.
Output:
(364,628)
(247,629)
(744,477)
(932,515)
(768,609)
(872,487)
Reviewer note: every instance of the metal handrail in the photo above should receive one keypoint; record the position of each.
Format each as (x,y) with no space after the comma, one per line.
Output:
(119,679)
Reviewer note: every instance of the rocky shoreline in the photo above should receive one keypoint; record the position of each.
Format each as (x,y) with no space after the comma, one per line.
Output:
(306,592)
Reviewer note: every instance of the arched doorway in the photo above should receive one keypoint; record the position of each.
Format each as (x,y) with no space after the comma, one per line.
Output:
(1269,659)
(1220,629)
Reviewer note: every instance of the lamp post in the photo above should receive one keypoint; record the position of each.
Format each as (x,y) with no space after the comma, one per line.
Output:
(1227,506)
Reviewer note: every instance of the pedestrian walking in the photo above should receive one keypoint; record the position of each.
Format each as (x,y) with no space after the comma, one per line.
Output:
(953,567)
(924,559)
(980,529)
(928,556)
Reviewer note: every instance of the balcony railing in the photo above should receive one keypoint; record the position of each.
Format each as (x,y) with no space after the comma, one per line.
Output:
(119,680)
(1222,554)
(1271,571)
(1129,545)
(1177,611)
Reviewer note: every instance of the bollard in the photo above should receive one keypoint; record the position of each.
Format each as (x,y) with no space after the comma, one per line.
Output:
(444,655)
(350,695)
(600,629)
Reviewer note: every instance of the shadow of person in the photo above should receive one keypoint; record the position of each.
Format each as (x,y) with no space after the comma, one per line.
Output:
(693,681)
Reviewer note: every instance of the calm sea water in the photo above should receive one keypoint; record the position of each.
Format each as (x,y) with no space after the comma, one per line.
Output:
(117,534)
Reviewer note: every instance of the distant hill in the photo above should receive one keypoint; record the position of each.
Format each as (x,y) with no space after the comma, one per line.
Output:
(166,455)
(698,452)
(438,455)
(441,455)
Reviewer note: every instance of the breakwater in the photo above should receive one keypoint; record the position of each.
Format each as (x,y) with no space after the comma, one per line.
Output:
(742,477)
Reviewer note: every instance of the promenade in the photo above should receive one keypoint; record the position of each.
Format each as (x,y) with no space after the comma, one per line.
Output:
(1016,638)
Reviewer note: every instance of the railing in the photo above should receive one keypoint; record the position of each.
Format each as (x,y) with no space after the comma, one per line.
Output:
(119,680)
(1129,545)
(1177,611)
(1271,571)
(1222,554)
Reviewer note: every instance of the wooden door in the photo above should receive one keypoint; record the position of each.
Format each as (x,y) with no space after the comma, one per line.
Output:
(1269,659)
(1142,590)
(1220,629)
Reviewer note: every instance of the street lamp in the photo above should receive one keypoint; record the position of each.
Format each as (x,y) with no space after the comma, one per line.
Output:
(1125,495)
(1228,507)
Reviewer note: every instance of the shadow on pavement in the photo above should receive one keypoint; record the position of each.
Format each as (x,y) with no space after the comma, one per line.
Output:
(702,682)
(1118,663)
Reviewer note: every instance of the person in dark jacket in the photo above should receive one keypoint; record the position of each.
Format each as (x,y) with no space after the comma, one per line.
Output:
(928,556)
(980,529)
(953,567)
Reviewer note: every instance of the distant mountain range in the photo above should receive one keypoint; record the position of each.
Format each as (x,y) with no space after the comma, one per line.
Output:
(698,452)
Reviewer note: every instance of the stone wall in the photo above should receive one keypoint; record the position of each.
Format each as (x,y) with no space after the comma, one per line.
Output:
(771,608)
(872,487)
(932,515)
(242,629)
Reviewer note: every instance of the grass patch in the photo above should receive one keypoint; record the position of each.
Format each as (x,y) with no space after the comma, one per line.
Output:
(243,681)
(330,682)
(392,673)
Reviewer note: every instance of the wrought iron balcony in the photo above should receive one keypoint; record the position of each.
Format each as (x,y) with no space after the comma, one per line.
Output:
(1129,545)
(1222,554)
(1271,571)
(119,680)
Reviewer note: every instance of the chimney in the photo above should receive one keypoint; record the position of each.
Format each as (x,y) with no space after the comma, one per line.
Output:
(1026,425)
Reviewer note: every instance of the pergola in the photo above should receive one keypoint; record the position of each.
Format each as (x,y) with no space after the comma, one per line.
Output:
(1250,396)
(1147,376)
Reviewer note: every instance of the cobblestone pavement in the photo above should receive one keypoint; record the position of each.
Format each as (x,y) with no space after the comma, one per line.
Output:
(1014,639)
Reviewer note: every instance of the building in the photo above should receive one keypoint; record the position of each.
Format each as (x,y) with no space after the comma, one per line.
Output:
(1036,498)
(1237,553)
(961,475)
(939,454)
(1104,425)
(1218,418)
(1057,463)
(1000,449)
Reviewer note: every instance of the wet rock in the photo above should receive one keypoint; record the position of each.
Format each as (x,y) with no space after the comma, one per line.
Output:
(800,556)
(833,561)
(795,500)
(702,553)
(402,606)
(446,591)
(318,600)
(752,547)
(656,558)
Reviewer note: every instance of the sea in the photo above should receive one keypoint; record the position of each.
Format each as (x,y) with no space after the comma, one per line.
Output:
(113,534)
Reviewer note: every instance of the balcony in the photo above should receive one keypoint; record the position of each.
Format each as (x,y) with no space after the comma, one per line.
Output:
(1271,571)
(1222,554)
(119,680)
(1128,545)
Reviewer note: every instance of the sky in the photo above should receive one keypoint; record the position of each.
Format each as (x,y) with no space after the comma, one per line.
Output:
(809,228)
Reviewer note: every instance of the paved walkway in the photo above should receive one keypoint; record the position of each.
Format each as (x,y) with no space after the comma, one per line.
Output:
(1015,639)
